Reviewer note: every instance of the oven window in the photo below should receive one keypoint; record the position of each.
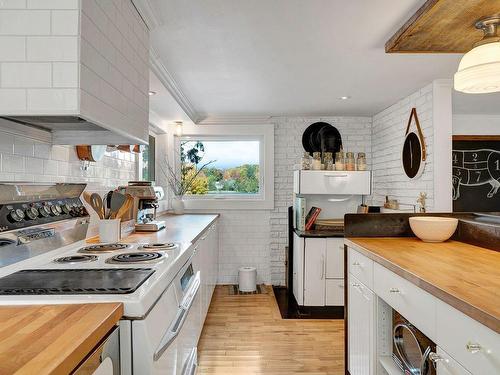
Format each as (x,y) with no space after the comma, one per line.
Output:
(186,278)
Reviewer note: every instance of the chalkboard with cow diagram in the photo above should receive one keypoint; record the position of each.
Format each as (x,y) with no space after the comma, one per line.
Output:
(476,173)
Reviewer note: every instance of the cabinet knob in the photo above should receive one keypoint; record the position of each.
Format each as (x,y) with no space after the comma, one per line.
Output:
(473,347)
(355,285)
(356,264)
(394,290)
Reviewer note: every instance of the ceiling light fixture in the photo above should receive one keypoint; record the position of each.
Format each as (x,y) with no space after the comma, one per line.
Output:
(344,97)
(479,69)
(151,93)
(178,128)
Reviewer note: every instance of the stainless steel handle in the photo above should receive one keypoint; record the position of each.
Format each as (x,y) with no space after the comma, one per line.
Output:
(356,264)
(473,347)
(322,266)
(191,363)
(180,318)
(355,285)
(394,290)
(336,175)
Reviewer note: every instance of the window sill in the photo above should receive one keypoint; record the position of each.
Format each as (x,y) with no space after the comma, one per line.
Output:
(228,204)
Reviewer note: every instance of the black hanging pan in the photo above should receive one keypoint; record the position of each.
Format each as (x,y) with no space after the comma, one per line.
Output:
(321,137)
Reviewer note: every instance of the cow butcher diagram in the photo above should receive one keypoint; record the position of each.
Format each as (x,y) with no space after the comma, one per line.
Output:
(475,168)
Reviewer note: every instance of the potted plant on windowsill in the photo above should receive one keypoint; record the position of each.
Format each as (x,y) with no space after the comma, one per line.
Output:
(185,179)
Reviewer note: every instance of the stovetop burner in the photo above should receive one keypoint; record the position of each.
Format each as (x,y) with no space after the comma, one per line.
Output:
(135,257)
(159,246)
(72,259)
(104,248)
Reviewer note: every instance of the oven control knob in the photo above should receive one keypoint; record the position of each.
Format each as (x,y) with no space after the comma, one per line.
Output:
(16,215)
(53,210)
(66,208)
(31,213)
(44,211)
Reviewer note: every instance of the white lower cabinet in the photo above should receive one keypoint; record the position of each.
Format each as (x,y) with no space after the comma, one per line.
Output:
(318,271)
(361,310)
(446,365)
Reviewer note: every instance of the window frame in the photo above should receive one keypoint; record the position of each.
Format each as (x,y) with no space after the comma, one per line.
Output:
(262,133)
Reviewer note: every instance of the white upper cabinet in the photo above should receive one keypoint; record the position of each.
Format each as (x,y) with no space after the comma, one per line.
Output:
(332,182)
(81,72)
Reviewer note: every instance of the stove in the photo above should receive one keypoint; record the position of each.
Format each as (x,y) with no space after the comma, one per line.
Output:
(104,248)
(75,259)
(138,257)
(159,246)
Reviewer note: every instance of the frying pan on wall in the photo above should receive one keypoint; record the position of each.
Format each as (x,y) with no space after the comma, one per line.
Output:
(90,152)
(321,137)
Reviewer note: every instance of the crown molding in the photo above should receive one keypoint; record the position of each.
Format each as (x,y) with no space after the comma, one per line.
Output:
(169,82)
(235,120)
(147,13)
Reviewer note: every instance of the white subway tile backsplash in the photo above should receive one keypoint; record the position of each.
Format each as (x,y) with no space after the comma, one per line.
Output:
(50,167)
(12,163)
(24,22)
(12,48)
(42,150)
(33,166)
(6,144)
(65,22)
(23,146)
(12,4)
(65,75)
(27,75)
(52,100)
(52,48)
(53,4)
(12,101)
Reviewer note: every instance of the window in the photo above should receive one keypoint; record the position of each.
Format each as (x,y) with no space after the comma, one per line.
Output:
(221,167)
(232,166)
(147,160)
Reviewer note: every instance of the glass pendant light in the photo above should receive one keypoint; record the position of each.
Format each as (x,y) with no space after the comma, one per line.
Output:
(479,69)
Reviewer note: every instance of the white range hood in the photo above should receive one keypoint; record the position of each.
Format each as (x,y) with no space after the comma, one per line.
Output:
(80,71)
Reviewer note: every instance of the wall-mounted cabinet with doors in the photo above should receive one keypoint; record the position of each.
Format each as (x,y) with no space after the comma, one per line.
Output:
(318,271)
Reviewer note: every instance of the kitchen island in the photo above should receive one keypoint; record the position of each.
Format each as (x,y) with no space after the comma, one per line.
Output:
(52,339)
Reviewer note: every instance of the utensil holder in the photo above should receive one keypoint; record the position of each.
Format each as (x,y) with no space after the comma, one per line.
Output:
(109,230)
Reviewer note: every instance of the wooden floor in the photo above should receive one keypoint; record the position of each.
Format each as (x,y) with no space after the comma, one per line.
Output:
(246,335)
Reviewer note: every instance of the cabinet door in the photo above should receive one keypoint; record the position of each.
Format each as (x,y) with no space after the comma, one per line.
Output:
(448,366)
(360,328)
(334,258)
(314,271)
(298,269)
(334,292)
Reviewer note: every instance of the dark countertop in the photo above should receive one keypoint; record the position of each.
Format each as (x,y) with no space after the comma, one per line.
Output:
(318,233)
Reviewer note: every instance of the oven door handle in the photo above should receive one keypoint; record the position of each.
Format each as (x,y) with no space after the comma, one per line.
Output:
(182,313)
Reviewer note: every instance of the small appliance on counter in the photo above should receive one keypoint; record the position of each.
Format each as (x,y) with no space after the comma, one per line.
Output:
(146,197)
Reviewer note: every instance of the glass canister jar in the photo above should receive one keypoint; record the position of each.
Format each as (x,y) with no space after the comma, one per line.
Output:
(350,163)
(316,161)
(361,161)
(328,161)
(339,161)
(306,161)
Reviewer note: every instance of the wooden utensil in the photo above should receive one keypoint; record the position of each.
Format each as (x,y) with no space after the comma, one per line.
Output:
(117,201)
(96,203)
(125,208)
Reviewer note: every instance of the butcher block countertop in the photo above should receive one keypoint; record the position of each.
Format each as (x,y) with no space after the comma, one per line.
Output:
(52,339)
(464,276)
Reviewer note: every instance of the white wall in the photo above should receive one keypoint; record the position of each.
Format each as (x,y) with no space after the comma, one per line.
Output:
(433,104)
(476,124)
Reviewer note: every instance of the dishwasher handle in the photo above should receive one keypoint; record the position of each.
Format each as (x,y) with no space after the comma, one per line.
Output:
(182,313)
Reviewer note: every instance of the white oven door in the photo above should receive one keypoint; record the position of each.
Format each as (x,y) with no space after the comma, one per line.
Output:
(150,335)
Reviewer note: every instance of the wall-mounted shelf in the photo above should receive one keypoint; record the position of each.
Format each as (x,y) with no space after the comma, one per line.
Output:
(332,182)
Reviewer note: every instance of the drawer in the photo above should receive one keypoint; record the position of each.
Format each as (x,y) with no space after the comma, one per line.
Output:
(415,304)
(448,366)
(335,292)
(361,267)
(334,258)
(456,333)
(332,182)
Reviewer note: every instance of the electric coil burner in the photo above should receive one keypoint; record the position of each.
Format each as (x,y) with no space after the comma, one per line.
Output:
(104,248)
(135,258)
(159,246)
(73,259)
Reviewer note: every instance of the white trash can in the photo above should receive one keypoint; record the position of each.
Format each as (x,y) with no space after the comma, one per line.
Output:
(247,279)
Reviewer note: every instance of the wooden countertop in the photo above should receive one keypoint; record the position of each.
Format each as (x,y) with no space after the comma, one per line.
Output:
(52,339)
(464,276)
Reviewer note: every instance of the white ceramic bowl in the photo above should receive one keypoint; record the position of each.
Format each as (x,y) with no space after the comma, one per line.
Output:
(433,228)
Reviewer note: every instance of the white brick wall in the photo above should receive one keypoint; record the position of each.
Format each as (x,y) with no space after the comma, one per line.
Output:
(388,131)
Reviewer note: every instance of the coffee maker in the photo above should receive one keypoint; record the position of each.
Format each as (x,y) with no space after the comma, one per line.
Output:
(146,197)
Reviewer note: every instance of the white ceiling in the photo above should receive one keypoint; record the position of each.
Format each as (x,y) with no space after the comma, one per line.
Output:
(290,57)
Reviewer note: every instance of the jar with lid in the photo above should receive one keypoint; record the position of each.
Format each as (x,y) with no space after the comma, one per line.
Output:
(306,161)
(350,163)
(328,161)
(361,161)
(339,161)
(316,162)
